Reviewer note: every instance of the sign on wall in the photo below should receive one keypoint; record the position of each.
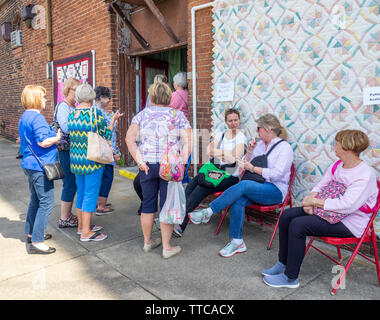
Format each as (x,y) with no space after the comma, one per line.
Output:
(81,67)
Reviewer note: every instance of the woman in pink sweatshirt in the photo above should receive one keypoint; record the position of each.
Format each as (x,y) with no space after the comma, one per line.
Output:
(359,198)
(180,95)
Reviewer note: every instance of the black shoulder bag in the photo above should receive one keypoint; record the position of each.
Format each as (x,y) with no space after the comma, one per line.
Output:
(259,161)
(53,171)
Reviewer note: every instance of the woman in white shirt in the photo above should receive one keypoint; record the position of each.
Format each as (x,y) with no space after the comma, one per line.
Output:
(271,191)
(225,149)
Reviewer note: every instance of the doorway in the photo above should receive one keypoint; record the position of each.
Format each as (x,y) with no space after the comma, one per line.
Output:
(168,63)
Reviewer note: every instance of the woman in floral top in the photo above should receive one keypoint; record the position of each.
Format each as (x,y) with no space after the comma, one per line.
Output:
(153,126)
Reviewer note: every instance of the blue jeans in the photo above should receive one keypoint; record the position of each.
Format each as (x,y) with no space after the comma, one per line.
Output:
(243,194)
(88,186)
(69,187)
(40,206)
(107,179)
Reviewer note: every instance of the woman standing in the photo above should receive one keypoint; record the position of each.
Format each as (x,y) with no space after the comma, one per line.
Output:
(69,188)
(102,101)
(154,125)
(179,99)
(88,174)
(38,140)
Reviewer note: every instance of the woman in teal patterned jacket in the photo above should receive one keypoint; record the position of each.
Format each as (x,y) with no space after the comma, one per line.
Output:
(88,174)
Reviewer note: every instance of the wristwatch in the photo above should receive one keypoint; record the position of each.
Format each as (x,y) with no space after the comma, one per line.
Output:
(253,169)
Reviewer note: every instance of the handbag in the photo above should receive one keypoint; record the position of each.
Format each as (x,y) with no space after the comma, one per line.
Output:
(53,171)
(98,148)
(171,166)
(334,190)
(212,174)
(64,143)
(259,161)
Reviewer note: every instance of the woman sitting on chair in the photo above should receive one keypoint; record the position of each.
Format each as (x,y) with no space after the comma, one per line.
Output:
(225,149)
(271,190)
(359,182)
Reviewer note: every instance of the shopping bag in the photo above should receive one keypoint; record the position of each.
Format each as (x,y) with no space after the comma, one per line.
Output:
(174,208)
(98,148)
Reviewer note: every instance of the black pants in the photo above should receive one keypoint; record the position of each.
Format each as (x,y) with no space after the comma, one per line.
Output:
(196,193)
(137,187)
(294,226)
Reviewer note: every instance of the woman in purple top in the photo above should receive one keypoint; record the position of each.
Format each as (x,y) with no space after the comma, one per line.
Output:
(298,223)
(153,125)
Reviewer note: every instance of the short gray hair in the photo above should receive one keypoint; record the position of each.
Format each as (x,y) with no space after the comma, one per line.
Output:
(180,79)
(84,93)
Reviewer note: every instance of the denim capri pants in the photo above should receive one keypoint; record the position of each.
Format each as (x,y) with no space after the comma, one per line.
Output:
(88,186)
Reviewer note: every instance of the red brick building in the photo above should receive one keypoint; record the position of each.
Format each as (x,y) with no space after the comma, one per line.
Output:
(131,41)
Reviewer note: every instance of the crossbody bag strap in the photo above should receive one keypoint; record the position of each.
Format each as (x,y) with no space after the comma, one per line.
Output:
(38,159)
(275,145)
(56,110)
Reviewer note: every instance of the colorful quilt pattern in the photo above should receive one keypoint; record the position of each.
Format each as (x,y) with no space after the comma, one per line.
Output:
(307,61)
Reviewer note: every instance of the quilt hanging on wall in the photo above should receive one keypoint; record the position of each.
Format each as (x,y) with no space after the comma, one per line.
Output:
(307,62)
(81,67)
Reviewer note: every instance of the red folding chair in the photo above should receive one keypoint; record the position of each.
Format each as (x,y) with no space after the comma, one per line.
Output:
(368,236)
(267,209)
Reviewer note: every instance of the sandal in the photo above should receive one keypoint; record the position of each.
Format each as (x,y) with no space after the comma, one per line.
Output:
(94,237)
(70,222)
(93,228)
(107,210)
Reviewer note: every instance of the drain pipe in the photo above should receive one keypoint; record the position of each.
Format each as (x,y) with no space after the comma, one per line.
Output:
(194,79)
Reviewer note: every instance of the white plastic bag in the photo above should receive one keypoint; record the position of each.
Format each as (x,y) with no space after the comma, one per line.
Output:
(174,208)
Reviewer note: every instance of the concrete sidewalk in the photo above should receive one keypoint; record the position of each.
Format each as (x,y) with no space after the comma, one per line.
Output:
(117,268)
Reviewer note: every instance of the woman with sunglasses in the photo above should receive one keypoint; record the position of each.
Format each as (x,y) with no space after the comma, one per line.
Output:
(272,191)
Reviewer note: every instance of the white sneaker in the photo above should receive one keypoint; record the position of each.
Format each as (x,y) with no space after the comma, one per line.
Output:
(166,254)
(150,246)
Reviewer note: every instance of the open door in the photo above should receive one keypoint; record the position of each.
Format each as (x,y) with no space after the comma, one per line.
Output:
(149,69)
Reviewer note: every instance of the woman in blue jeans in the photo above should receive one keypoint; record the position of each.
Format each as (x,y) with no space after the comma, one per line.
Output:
(246,192)
(37,136)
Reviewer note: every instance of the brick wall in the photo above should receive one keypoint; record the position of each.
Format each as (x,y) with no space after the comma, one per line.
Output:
(77,26)
(204,46)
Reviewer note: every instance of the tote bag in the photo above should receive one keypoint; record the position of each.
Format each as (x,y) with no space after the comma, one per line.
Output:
(98,148)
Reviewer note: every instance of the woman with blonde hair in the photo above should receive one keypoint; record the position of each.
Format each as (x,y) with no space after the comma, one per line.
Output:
(348,213)
(157,126)
(265,185)
(39,146)
(69,188)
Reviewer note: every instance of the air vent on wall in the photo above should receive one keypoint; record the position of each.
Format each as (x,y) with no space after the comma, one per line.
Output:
(16,39)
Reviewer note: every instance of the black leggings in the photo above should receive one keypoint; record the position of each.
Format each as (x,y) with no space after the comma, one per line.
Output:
(294,226)
(196,193)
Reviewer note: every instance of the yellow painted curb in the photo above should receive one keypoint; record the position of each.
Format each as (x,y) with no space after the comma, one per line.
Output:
(127,174)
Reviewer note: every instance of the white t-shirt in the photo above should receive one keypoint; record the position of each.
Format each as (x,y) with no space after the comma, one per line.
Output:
(229,145)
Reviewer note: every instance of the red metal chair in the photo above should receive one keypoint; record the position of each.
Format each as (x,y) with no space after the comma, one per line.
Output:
(267,209)
(368,236)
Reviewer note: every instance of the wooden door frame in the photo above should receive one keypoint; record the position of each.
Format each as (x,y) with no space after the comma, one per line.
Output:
(150,63)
